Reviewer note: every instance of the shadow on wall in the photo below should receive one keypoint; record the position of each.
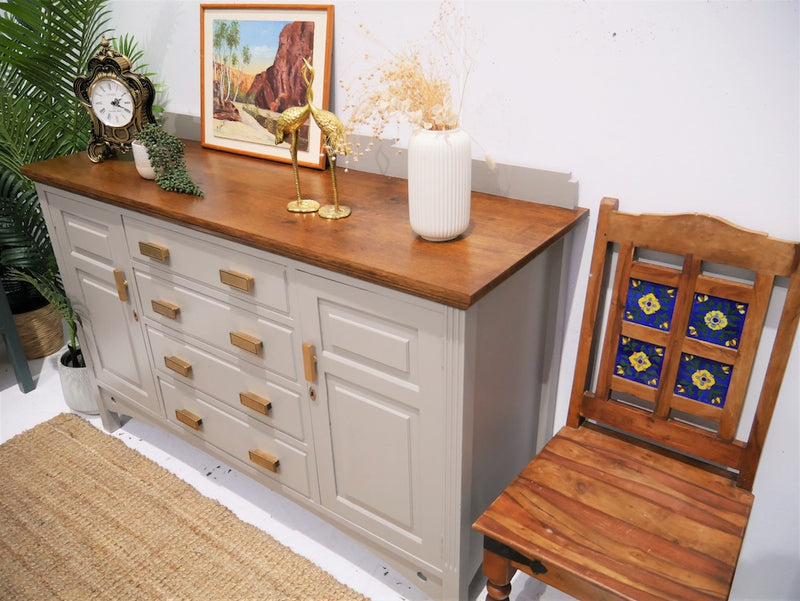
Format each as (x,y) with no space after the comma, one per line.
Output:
(523,183)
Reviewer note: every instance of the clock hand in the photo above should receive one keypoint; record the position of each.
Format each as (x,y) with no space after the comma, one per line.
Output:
(117,102)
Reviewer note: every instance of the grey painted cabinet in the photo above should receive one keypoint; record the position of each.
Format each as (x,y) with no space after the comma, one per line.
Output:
(380,410)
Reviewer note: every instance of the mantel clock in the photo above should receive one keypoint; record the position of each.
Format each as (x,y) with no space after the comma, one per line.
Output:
(119,101)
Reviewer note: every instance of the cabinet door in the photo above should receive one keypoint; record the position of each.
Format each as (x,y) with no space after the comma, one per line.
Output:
(92,255)
(378,411)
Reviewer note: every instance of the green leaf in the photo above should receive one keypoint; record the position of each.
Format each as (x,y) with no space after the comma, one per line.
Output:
(44,46)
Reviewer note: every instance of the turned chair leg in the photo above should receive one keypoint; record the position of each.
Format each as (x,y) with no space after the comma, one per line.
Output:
(498,572)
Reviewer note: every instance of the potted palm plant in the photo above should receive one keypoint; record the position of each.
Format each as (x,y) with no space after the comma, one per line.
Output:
(44,46)
(25,248)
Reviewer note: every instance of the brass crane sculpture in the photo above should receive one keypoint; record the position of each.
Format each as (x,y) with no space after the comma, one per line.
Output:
(334,141)
(289,122)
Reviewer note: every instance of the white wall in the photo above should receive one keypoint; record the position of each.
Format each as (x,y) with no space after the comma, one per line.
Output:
(670,106)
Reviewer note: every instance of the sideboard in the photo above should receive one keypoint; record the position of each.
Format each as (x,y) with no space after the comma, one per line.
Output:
(368,375)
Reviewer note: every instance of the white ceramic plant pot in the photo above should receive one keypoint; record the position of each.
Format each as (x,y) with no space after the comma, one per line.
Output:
(76,386)
(142,160)
(439,183)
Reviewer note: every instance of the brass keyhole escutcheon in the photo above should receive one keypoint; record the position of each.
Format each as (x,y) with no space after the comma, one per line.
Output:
(312,393)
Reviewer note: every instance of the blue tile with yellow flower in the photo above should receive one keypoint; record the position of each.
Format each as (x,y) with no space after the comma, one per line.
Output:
(713,319)
(703,380)
(639,361)
(717,320)
(650,304)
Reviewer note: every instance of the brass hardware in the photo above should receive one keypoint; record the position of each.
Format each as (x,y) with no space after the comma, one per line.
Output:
(122,285)
(234,279)
(246,342)
(165,308)
(289,122)
(189,418)
(178,365)
(312,393)
(154,251)
(255,402)
(334,143)
(334,211)
(135,315)
(265,460)
(310,362)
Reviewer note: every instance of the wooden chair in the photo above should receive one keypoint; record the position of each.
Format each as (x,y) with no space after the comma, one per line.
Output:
(645,493)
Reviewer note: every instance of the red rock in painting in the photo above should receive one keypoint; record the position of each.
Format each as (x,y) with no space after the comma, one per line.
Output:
(282,85)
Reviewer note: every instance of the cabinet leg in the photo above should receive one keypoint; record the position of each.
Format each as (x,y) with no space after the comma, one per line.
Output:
(498,571)
(111,421)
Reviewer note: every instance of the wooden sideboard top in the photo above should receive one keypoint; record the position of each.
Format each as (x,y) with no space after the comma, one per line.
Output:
(245,201)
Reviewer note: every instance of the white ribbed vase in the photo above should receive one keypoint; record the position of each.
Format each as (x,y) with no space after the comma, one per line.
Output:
(439,183)
(76,386)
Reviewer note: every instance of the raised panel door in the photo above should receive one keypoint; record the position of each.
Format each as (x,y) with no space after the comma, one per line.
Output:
(92,246)
(378,413)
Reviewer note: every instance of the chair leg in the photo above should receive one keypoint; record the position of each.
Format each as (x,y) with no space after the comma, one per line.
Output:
(498,572)
(8,332)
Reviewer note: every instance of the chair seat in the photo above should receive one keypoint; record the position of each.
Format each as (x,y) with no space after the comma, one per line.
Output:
(608,518)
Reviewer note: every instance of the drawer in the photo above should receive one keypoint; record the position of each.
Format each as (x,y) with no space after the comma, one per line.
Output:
(255,447)
(245,335)
(243,388)
(240,274)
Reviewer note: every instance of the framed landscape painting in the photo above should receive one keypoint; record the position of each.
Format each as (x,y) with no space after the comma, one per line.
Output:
(251,70)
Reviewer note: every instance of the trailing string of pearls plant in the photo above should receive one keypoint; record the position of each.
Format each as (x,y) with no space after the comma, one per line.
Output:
(166,153)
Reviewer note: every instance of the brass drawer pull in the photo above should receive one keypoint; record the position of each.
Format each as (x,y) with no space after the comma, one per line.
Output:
(234,279)
(122,285)
(309,362)
(178,365)
(265,460)
(190,419)
(154,251)
(165,308)
(246,342)
(255,402)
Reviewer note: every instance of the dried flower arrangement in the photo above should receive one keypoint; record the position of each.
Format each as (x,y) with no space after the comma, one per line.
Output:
(423,85)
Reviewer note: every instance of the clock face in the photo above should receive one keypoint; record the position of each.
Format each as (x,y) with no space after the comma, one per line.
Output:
(112,102)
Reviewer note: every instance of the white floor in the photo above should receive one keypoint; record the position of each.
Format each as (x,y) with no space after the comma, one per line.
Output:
(306,534)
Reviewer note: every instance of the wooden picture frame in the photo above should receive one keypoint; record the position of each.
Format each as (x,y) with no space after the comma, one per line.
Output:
(251,71)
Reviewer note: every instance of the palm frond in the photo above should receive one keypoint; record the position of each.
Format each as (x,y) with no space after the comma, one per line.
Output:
(53,293)
(46,45)
(24,241)
(129,47)
(51,41)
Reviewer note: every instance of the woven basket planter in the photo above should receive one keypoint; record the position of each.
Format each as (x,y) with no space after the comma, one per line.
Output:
(40,331)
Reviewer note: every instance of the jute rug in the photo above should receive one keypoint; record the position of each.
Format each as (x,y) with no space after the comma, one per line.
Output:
(83,517)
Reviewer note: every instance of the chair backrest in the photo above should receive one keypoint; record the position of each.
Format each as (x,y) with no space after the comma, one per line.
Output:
(671,361)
